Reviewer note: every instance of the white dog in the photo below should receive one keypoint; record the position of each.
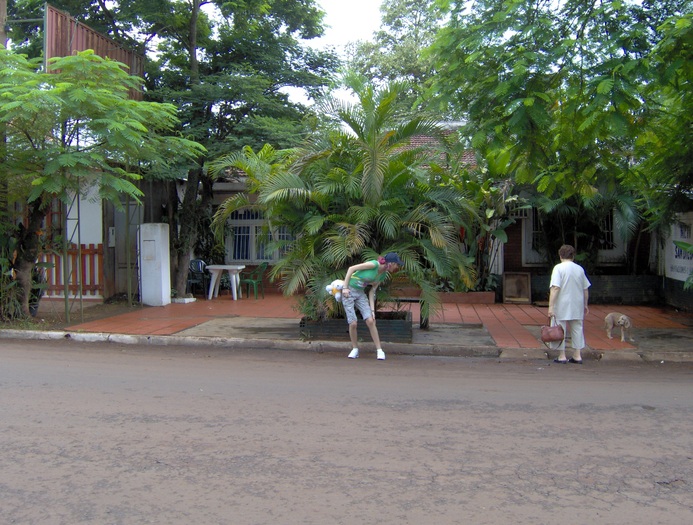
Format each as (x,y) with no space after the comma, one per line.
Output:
(621,320)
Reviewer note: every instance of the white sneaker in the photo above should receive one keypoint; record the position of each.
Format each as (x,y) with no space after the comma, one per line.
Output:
(355,353)
(381,355)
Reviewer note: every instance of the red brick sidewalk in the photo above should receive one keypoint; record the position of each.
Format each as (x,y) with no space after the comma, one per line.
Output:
(510,325)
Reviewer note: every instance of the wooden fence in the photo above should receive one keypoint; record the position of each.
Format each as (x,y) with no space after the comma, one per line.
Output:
(89,273)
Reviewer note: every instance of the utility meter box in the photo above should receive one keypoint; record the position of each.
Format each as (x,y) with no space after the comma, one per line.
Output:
(155,264)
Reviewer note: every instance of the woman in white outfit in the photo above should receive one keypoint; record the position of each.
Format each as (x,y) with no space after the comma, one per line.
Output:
(568,302)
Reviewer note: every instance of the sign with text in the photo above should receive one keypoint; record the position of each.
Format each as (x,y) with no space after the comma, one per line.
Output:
(678,262)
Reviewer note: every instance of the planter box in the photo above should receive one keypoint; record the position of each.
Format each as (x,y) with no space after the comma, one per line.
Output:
(637,290)
(407,291)
(393,327)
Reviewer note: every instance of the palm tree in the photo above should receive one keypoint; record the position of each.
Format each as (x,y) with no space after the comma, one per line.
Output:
(357,191)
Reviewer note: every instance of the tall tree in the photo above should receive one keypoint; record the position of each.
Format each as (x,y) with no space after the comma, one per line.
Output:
(359,191)
(553,92)
(664,181)
(398,50)
(226,66)
(234,96)
(74,128)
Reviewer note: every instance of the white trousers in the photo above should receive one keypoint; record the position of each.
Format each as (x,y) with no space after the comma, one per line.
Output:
(577,335)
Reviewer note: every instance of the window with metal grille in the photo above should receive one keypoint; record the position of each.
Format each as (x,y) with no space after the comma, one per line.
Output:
(262,251)
(284,237)
(240,242)
(537,235)
(606,237)
(612,247)
(248,240)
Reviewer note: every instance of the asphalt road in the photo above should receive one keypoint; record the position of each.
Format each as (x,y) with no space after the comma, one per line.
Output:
(111,434)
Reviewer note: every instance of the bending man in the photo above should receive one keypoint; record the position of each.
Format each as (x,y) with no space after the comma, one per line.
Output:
(358,277)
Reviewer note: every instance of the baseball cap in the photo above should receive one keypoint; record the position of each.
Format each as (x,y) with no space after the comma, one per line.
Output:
(392,257)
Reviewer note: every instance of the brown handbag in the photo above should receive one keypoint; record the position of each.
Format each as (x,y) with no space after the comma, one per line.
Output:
(553,333)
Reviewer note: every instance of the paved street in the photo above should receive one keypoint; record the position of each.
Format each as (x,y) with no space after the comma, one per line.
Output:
(125,434)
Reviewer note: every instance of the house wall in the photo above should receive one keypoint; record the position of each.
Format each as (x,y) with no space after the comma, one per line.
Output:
(613,284)
(674,295)
(610,289)
(88,216)
(638,247)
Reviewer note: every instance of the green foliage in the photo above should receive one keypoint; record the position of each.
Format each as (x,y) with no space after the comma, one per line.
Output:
(67,131)
(664,180)
(398,50)
(489,200)
(72,129)
(10,291)
(228,68)
(494,200)
(558,97)
(314,306)
(10,304)
(354,193)
(250,52)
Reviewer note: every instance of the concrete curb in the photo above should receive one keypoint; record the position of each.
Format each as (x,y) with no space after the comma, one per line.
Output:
(234,343)
(524,353)
(443,350)
(663,356)
(167,340)
(620,355)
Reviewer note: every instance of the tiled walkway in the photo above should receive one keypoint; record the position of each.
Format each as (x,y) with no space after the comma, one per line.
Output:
(510,325)
(516,326)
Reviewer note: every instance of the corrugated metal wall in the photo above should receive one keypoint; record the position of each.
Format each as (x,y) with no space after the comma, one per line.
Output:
(64,36)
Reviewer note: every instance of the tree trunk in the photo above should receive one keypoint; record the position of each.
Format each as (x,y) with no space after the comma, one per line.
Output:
(188,229)
(192,209)
(172,217)
(28,252)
